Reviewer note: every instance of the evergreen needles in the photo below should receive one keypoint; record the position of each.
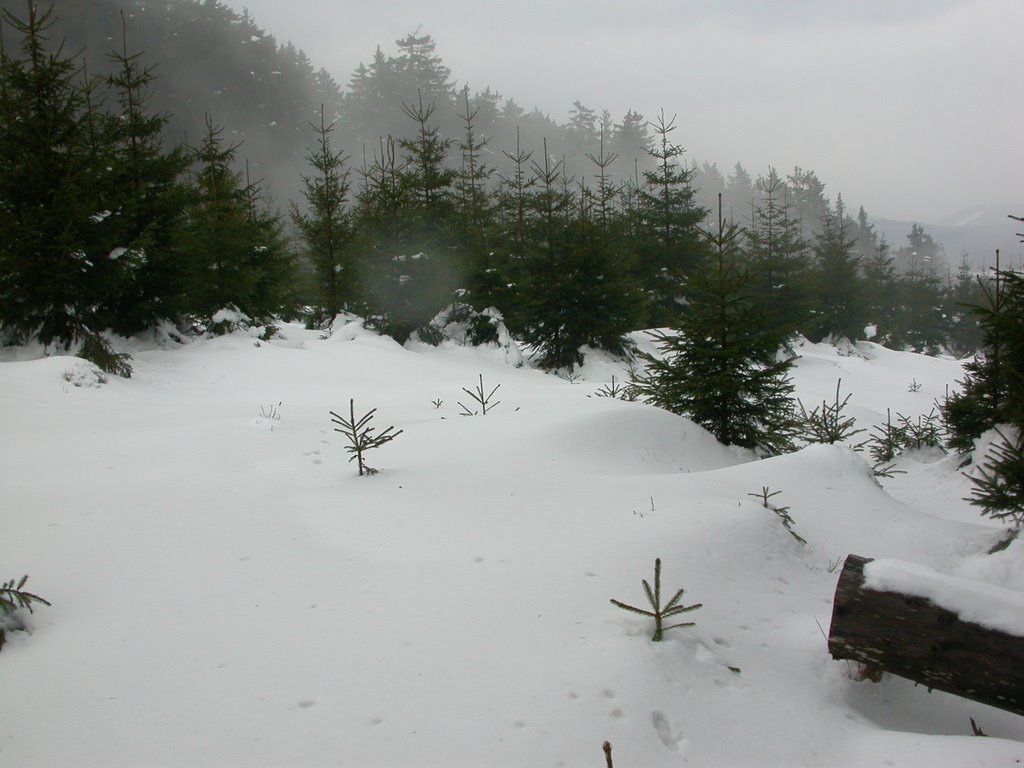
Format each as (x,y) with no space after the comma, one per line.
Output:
(827,424)
(782,512)
(659,612)
(360,435)
(12,597)
(999,486)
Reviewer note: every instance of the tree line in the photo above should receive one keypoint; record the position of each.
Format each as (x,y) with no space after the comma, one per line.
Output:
(108,227)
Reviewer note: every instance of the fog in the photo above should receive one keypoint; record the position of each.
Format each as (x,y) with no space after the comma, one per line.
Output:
(911,109)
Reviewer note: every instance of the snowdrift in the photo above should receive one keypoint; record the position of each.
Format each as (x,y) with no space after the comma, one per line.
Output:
(227,592)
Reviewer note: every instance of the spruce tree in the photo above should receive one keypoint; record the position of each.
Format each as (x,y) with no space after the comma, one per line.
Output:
(512,239)
(488,272)
(807,195)
(965,336)
(631,139)
(881,287)
(778,257)
(423,76)
(993,398)
(52,156)
(922,324)
(721,365)
(671,217)
(547,208)
(326,227)
(147,195)
(993,389)
(840,303)
(232,248)
(740,192)
(408,247)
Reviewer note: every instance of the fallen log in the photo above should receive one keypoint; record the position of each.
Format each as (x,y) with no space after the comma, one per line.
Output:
(961,636)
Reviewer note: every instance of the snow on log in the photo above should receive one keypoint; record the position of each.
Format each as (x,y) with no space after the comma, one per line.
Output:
(957,635)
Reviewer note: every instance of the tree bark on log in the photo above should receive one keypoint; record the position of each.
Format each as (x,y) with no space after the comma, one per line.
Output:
(912,637)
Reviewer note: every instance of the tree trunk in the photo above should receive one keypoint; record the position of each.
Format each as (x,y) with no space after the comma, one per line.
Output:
(912,637)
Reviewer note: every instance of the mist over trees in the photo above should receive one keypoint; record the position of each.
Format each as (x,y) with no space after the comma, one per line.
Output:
(183,129)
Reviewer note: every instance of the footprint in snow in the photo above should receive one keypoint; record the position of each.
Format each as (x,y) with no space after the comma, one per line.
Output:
(668,735)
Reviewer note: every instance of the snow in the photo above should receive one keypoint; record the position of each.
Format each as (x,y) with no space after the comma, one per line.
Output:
(226,591)
(973,601)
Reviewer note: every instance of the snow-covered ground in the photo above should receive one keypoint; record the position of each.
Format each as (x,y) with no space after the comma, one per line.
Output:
(226,591)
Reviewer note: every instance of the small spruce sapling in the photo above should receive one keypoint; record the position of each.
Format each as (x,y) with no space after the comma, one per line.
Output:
(887,442)
(925,432)
(783,512)
(659,612)
(617,390)
(360,436)
(12,597)
(271,411)
(826,424)
(482,398)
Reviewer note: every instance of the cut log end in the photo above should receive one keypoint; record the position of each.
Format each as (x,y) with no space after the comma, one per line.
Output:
(912,637)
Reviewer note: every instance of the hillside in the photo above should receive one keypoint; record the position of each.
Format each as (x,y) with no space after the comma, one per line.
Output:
(977,231)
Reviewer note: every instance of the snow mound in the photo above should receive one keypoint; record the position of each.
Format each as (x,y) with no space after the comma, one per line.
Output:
(632,438)
(457,603)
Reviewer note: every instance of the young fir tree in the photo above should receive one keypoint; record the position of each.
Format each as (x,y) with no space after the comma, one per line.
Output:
(596,299)
(881,287)
(966,291)
(671,217)
(57,237)
(412,256)
(993,397)
(511,238)
(544,237)
(721,363)
(993,389)
(840,303)
(487,278)
(326,227)
(233,250)
(921,320)
(146,183)
(778,257)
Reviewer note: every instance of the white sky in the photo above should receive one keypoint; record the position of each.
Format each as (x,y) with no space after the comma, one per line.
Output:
(912,108)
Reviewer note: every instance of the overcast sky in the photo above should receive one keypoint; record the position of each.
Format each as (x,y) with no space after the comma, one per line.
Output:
(912,108)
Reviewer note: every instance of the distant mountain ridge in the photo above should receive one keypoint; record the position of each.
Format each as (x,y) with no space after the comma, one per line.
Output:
(977,231)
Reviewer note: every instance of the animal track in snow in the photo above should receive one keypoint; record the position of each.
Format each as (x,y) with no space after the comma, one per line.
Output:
(666,733)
